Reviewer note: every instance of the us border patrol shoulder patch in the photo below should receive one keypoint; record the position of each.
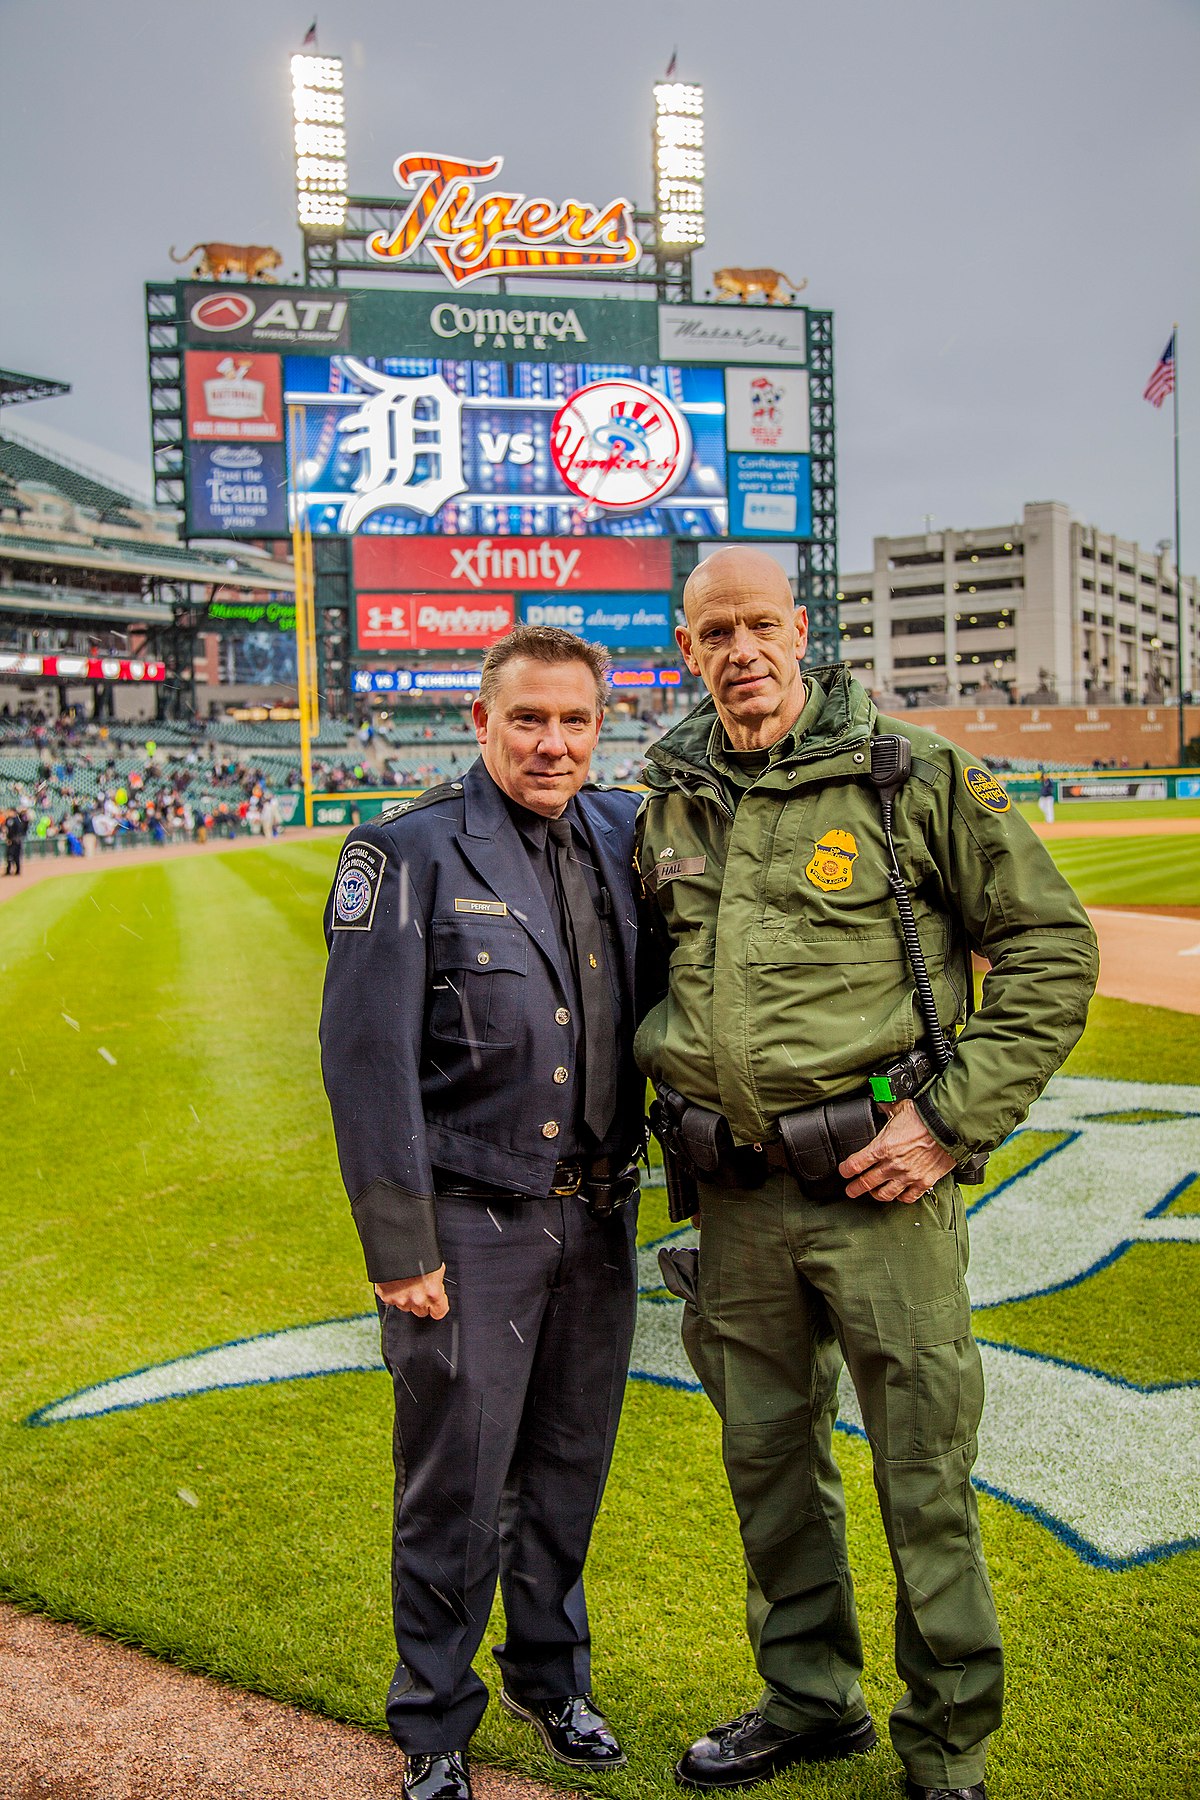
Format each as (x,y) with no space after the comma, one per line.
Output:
(986,789)
(356,887)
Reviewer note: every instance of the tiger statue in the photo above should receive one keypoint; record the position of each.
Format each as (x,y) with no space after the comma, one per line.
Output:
(253,262)
(770,283)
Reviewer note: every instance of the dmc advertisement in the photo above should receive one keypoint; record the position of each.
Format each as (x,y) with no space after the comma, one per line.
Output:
(624,621)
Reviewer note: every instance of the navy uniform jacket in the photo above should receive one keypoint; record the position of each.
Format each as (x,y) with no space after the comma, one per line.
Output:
(447,1009)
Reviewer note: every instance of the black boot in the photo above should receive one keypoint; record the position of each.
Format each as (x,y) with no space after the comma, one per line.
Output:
(750,1749)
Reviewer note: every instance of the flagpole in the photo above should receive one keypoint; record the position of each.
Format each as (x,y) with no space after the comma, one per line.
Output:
(1181,647)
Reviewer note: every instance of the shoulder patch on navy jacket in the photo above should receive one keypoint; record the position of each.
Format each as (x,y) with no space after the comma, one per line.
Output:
(986,789)
(356,886)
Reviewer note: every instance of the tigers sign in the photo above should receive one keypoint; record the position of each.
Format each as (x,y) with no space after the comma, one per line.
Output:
(472,235)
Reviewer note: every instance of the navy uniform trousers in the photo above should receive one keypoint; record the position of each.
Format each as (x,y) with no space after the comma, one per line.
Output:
(506,1413)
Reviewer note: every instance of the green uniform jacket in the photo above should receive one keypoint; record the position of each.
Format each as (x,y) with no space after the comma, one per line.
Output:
(789,981)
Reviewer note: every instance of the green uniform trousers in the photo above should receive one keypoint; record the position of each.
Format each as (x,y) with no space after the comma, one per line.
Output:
(788,1290)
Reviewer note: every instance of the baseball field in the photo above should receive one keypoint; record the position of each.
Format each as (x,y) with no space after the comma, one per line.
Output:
(196,1429)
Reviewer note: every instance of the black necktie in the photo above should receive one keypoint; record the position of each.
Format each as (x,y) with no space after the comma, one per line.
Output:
(586,943)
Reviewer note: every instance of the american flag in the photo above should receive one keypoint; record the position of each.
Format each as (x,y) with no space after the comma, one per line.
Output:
(1162,381)
(310,37)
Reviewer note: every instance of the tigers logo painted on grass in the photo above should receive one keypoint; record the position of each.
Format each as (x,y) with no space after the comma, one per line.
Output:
(1110,1466)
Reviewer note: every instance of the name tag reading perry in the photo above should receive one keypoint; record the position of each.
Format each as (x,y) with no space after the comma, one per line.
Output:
(668,868)
(496,908)
(356,888)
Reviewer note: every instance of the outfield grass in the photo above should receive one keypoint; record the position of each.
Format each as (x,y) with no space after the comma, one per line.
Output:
(171,1183)
(1135,871)
(1080,812)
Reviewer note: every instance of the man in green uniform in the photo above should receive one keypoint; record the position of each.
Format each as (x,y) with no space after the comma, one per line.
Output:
(763,848)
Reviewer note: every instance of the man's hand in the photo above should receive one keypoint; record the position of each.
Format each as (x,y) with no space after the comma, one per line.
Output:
(902,1163)
(422,1295)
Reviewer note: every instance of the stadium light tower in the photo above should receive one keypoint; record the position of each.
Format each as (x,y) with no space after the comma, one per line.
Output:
(679,165)
(319,132)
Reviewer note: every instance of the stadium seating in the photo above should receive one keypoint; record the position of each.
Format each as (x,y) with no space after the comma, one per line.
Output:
(19,463)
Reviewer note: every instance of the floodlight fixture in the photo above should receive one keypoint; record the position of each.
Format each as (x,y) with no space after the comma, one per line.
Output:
(319,138)
(679,164)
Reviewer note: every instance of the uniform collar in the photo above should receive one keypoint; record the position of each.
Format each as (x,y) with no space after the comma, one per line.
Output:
(487,807)
(744,767)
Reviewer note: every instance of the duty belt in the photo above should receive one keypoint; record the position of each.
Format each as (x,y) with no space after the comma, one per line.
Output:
(813,1141)
(606,1186)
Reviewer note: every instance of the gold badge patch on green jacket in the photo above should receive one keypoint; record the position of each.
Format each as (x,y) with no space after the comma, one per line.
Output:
(986,789)
(832,865)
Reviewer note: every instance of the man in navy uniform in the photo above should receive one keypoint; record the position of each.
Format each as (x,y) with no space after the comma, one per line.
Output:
(476,1047)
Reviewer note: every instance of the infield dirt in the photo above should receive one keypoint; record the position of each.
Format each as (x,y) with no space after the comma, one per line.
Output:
(83,1718)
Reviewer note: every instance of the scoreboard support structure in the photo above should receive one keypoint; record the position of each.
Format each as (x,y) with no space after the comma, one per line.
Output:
(819,559)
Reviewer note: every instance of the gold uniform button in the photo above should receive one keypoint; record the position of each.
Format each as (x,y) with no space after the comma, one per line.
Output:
(562,1016)
(550,1128)
(560,1075)
(483,957)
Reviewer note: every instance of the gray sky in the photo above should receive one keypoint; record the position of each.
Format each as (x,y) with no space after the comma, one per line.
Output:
(998,201)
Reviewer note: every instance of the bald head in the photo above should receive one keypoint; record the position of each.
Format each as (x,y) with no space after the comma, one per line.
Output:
(744,637)
(738,569)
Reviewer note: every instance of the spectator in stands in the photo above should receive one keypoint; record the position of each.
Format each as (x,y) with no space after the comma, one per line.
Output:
(15,828)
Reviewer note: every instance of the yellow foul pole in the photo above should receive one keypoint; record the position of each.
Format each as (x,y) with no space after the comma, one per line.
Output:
(306,623)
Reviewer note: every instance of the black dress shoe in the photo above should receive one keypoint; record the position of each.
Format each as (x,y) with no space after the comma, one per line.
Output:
(914,1791)
(572,1729)
(437,1777)
(750,1749)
